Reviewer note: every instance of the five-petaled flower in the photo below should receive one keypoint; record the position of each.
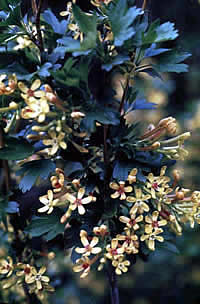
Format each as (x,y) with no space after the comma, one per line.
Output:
(131,222)
(37,109)
(113,251)
(120,265)
(6,266)
(155,184)
(89,247)
(56,142)
(79,201)
(139,201)
(25,270)
(130,241)
(37,277)
(83,265)
(120,190)
(31,94)
(48,201)
(153,223)
(152,237)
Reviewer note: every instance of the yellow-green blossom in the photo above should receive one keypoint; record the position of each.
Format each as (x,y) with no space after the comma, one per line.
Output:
(31,94)
(79,201)
(55,142)
(153,223)
(131,222)
(83,265)
(6,266)
(152,237)
(139,201)
(89,247)
(121,190)
(48,202)
(120,265)
(37,277)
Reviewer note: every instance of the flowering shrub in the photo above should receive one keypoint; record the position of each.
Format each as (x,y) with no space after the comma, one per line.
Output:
(108,191)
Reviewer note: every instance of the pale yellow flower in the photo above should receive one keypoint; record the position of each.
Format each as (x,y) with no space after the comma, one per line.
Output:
(79,201)
(36,110)
(48,202)
(83,265)
(131,222)
(152,237)
(56,142)
(153,222)
(89,247)
(37,277)
(113,251)
(31,94)
(139,201)
(6,266)
(130,241)
(120,190)
(120,265)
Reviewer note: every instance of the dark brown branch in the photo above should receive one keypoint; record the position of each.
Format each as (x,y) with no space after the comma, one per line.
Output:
(114,291)
(144,5)
(6,171)
(124,96)
(37,23)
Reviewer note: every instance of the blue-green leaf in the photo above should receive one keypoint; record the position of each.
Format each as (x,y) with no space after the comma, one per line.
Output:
(33,170)
(121,18)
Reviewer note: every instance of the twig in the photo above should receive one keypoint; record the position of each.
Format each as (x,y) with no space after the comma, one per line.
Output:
(124,96)
(37,23)
(114,291)
(5,166)
(144,5)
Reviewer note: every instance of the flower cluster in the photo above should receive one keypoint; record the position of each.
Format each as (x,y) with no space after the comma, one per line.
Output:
(153,205)
(20,273)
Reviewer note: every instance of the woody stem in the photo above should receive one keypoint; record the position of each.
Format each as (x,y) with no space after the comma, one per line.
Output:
(114,291)
(144,5)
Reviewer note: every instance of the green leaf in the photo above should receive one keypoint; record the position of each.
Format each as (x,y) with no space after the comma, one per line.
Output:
(33,170)
(159,33)
(68,75)
(59,27)
(87,25)
(166,32)
(14,16)
(170,62)
(72,167)
(119,59)
(121,18)
(47,226)
(103,115)
(16,149)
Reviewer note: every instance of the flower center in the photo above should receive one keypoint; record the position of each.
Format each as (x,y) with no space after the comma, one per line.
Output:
(57,185)
(155,186)
(114,251)
(30,93)
(132,222)
(78,202)
(155,224)
(121,189)
(85,266)
(27,270)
